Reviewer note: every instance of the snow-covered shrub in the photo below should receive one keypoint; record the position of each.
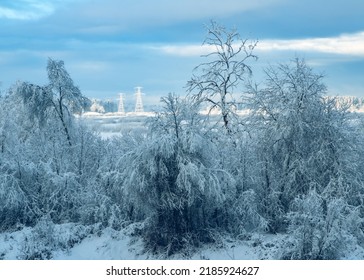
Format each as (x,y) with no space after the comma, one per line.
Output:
(68,235)
(302,142)
(45,238)
(173,180)
(246,216)
(41,242)
(306,227)
(100,208)
(321,229)
(56,195)
(343,228)
(13,202)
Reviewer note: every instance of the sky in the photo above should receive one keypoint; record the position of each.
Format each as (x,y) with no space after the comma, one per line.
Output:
(112,46)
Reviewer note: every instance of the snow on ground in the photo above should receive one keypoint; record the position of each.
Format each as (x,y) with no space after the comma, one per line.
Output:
(110,125)
(116,245)
(110,244)
(10,244)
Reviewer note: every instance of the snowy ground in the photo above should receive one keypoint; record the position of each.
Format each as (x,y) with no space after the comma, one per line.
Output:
(109,244)
(114,124)
(116,245)
(109,125)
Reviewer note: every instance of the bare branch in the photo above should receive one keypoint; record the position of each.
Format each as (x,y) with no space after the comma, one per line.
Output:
(226,69)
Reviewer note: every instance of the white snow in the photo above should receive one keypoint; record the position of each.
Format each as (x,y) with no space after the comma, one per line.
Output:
(110,244)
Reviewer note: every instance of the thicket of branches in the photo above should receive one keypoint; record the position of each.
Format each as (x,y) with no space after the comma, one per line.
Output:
(294,165)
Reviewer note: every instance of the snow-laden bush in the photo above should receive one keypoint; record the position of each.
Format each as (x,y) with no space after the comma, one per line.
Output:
(13,202)
(41,242)
(321,229)
(173,180)
(246,216)
(303,141)
(100,208)
(46,238)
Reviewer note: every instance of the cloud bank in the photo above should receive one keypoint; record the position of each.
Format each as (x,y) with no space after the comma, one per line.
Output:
(345,44)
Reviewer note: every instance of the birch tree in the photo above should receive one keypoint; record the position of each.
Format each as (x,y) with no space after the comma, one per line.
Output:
(216,80)
(59,97)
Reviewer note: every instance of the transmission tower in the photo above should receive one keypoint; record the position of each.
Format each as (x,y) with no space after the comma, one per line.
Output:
(121,104)
(139,102)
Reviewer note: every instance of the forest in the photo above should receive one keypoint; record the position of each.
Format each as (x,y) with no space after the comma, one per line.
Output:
(292,166)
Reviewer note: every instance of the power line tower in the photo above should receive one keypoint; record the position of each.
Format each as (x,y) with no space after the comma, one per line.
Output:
(139,102)
(121,108)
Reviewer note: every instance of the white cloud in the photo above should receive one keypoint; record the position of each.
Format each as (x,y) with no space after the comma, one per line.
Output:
(26,10)
(184,50)
(30,9)
(346,44)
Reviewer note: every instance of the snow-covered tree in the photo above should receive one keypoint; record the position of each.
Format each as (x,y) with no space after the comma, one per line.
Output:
(302,140)
(321,230)
(215,81)
(41,174)
(96,106)
(60,98)
(173,179)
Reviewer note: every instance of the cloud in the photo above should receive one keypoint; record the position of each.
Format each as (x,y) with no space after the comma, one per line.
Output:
(184,50)
(345,44)
(26,9)
(116,15)
(30,9)
(137,10)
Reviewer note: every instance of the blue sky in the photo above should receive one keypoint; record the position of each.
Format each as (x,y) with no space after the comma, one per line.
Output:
(111,46)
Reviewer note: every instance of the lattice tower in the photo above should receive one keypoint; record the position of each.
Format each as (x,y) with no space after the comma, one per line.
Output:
(121,108)
(139,102)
